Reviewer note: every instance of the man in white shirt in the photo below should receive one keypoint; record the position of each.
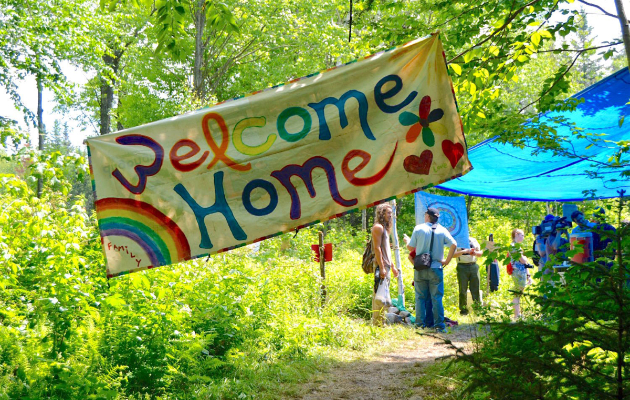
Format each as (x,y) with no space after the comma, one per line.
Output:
(468,274)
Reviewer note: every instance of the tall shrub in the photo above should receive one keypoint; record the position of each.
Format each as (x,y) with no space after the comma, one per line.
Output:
(575,344)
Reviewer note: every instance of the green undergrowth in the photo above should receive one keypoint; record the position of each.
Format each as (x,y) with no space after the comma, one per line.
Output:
(242,324)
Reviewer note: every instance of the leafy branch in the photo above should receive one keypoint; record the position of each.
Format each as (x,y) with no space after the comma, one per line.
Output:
(497,31)
(474,60)
(558,79)
(606,13)
(458,16)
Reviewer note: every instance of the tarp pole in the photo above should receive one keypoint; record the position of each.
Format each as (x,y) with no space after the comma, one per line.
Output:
(364,220)
(322,266)
(401,288)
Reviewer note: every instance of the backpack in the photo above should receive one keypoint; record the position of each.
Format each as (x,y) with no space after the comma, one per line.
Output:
(368,257)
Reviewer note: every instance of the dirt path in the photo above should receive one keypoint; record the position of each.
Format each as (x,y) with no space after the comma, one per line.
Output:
(388,374)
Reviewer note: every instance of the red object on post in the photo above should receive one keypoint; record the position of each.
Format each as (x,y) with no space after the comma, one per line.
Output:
(328,254)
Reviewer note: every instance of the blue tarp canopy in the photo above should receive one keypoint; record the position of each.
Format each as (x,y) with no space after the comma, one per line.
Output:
(503,171)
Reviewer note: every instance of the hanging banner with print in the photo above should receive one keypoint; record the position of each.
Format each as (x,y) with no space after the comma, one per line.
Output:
(453,214)
(251,168)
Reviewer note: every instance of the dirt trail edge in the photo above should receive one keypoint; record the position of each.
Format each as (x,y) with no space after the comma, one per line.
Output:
(388,374)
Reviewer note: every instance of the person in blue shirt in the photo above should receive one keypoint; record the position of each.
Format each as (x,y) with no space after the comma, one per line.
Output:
(430,282)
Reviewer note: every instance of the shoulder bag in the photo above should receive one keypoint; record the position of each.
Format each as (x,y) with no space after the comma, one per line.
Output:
(423,261)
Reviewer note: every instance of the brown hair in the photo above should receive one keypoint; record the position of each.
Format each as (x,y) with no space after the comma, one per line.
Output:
(381,209)
(515,231)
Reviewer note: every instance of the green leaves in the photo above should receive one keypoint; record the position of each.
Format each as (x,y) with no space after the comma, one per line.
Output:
(473,53)
(535,38)
(114,301)
(221,17)
(36,38)
(608,54)
(456,68)
(174,15)
(202,317)
(170,25)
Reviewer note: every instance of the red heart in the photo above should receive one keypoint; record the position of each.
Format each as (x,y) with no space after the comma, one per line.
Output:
(452,151)
(419,165)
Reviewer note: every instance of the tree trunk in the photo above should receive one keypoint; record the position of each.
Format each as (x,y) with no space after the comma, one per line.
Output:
(107,92)
(468,204)
(119,125)
(625,30)
(200,26)
(107,100)
(40,128)
(549,209)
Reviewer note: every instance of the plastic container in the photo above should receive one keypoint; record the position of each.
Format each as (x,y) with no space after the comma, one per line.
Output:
(585,239)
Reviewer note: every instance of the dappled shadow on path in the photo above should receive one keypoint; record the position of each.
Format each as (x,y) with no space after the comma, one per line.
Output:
(388,374)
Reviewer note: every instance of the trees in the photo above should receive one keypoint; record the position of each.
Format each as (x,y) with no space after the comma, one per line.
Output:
(490,45)
(37,38)
(575,342)
(157,76)
(198,325)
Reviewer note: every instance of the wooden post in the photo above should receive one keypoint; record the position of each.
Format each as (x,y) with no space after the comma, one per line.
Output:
(322,266)
(364,220)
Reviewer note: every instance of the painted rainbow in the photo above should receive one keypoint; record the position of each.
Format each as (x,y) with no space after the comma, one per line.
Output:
(160,237)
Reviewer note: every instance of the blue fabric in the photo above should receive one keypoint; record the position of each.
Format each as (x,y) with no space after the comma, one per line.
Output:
(421,239)
(453,214)
(429,284)
(503,171)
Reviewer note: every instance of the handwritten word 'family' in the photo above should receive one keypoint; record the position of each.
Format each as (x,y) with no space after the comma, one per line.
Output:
(124,249)
(190,159)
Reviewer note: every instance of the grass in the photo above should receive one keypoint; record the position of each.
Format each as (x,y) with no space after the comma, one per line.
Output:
(285,378)
(442,380)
